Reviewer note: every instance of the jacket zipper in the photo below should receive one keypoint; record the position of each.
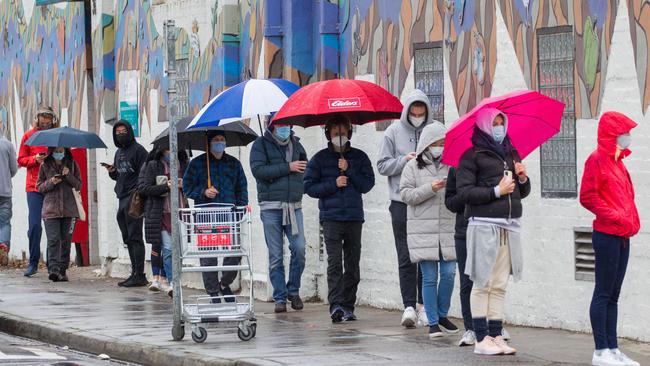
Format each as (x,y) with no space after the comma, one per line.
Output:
(505,167)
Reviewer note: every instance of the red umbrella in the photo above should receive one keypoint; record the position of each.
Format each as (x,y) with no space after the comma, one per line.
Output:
(360,101)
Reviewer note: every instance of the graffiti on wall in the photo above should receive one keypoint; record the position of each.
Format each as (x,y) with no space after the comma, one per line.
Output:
(42,61)
(593,25)
(639,14)
(470,50)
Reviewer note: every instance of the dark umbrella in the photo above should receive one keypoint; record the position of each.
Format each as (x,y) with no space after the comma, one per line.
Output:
(237,134)
(66,137)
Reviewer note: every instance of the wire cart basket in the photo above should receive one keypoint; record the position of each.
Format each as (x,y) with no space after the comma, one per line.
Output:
(217,231)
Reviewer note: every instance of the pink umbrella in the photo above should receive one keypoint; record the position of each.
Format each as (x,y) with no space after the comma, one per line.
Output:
(533,118)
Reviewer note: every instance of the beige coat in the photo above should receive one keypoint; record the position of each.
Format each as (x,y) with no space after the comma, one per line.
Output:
(430,225)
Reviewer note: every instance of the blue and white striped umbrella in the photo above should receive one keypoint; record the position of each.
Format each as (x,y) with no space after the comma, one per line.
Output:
(248,99)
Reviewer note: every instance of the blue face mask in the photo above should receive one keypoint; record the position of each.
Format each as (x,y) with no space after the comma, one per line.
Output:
(218,147)
(283,132)
(58,155)
(166,157)
(499,133)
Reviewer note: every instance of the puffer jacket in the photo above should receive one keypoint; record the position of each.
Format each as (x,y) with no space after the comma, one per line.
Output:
(607,188)
(155,198)
(58,200)
(275,182)
(430,225)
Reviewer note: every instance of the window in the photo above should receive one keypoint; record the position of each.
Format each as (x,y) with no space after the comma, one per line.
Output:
(555,79)
(429,75)
(182,87)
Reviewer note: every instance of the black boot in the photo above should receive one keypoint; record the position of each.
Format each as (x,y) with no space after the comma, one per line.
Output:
(63,277)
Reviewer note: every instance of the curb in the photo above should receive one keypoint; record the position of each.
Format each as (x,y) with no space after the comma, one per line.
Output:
(83,341)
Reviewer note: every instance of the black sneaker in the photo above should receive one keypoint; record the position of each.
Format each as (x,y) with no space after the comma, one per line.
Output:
(215,299)
(337,314)
(54,277)
(447,326)
(63,277)
(137,280)
(348,316)
(227,293)
(435,332)
(280,307)
(296,302)
(128,280)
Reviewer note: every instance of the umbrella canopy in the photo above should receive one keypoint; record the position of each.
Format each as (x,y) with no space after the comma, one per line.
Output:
(66,137)
(237,134)
(533,118)
(248,99)
(360,101)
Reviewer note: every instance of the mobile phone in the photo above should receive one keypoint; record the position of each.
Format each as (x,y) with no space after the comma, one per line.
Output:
(507,173)
(41,154)
(59,176)
(105,164)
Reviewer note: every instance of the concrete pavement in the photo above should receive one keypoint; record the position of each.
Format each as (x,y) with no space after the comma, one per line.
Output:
(94,315)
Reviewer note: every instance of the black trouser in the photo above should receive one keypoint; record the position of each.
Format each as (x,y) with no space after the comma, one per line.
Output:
(59,234)
(410,277)
(211,279)
(131,229)
(465,284)
(343,245)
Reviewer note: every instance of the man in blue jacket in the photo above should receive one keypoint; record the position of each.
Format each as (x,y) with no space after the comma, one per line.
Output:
(228,185)
(278,161)
(338,176)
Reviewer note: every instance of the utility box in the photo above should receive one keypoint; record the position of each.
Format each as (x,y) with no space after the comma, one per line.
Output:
(229,19)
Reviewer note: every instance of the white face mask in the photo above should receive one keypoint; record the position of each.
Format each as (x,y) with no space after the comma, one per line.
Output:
(624,141)
(436,151)
(416,121)
(340,141)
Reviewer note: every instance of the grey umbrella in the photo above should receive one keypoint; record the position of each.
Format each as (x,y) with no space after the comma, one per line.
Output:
(237,134)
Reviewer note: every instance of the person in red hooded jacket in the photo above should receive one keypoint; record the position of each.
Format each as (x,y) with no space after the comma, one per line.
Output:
(31,157)
(607,191)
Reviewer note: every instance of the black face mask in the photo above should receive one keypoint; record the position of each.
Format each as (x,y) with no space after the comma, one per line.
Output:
(123,139)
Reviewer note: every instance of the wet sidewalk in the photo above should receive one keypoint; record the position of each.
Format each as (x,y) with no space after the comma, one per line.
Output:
(95,315)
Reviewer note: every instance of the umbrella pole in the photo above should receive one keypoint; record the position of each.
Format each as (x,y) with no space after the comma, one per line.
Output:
(259,122)
(207,159)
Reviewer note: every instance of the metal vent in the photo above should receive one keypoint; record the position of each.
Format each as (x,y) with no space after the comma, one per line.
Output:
(585,259)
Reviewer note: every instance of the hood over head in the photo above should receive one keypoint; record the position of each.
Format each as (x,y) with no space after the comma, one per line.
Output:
(430,134)
(485,117)
(610,127)
(129,132)
(416,96)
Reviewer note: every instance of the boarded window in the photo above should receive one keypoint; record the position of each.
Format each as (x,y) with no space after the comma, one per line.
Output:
(429,75)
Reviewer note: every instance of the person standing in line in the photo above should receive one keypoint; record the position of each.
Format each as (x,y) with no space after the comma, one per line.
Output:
(338,176)
(125,170)
(58,176)
(278,161)
(608,192)
(8,169)
(31,157)
(397,149)
(431,227)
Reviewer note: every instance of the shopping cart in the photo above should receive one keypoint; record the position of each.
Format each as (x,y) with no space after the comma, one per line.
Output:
(217,231)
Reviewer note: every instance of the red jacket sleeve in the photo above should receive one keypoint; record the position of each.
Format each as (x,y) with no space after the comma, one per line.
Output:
(25,158)
(590,191)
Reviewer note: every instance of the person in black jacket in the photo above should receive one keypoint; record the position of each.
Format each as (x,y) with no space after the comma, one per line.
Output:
(278,161)
(129,158)
(155,186)
(338,176)
(491,181)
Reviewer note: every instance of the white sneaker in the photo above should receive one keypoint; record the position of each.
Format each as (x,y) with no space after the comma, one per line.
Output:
(604,357)
(155,286)
(409,318)
(505,335)
(469,338)
(507,350)
(623,358)
(487,347)
(423,321)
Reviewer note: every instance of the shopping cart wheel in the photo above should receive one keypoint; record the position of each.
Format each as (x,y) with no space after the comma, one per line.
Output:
(178,332)
(200,338)
(247,333)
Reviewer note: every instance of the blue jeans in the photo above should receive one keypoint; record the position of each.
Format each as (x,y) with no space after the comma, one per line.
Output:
(437,296)
(167,254)
(5,221)
(612,254)
(273,233)
(35,230)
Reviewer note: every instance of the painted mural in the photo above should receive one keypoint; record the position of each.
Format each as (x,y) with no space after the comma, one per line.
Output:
(593,27)
(639,15)
(470,49)
(42,61)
